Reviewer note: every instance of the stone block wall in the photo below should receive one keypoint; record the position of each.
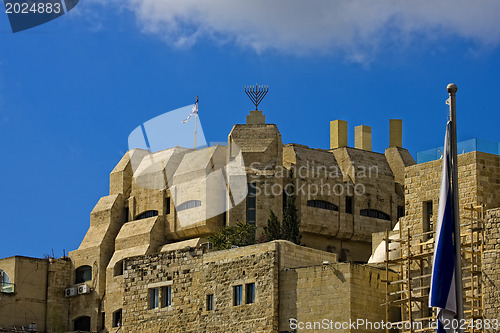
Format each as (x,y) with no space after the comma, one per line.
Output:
(491,265)
(192,275)
(332,294)
(479,183)
(59,278)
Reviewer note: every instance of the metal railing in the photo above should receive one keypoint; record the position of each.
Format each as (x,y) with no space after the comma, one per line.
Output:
(466,146)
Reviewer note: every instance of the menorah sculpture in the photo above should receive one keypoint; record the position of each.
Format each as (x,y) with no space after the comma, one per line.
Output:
(256,94)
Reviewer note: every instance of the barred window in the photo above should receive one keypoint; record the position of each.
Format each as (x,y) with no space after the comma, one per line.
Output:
(146,214)
(322,205)
(188,205)
(375,214)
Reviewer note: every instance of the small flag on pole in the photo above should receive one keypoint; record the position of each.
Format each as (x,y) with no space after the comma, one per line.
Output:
(194,111)
(442,292)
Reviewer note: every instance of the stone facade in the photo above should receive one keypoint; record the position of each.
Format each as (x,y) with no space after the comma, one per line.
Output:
(491,264)
(145,264)
(37,295)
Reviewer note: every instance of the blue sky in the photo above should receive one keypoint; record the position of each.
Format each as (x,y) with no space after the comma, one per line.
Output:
(72,90)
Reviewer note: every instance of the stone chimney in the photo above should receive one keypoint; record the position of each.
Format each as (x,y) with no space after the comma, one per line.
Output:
(395,133)
(338,134)
(363,137)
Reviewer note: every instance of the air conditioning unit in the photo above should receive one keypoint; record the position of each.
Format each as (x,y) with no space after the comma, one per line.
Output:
(70,292)
(83,289)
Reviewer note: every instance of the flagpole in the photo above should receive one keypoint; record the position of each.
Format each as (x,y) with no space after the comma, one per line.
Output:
(195,124)
(452,89)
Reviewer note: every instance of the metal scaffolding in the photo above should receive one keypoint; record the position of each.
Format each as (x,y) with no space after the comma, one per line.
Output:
(412,262)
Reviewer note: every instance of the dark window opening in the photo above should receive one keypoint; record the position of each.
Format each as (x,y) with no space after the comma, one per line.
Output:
(188,205)
(250,293)
(252,203)
(285,198)
(82,324)
(345,255)
(126,214)
(118,269)
(428,224)
(375,214)
(147,214)
(401,212)
(210,302)
(237,295)
(117,318)
(103,320)
(331,249)
(348,205)
(83,274)
(322,204)
(167,206)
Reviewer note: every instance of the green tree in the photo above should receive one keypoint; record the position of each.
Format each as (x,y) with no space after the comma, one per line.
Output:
(291,222)
(240,235)
(272,230)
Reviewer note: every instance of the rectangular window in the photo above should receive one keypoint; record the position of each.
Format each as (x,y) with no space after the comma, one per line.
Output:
(401,212)
(237,295)
(427,218)
(348,205)
(103,320)
(250,293)
(117,318)
(167,206)
(167,296)
(126,214)
(251,203)
(210,302)
(154,298)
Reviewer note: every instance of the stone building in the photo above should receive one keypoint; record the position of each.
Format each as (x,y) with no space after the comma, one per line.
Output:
(145,264)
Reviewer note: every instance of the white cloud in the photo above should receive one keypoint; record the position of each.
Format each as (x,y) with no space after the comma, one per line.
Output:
(356,28)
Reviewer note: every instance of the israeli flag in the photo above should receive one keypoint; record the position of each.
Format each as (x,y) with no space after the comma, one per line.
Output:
(194,111)
(442,291)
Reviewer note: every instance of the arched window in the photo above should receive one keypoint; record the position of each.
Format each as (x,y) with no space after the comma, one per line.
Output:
(83,274)
(322,204)
(375,214)
(188,205)
(5,284)
(146,214)
(82,324)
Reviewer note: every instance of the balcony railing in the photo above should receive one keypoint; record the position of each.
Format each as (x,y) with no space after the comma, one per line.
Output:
(7,288)
(467,146)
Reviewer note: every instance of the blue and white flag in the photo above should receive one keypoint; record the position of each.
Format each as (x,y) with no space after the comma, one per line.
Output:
(194,111)
(442,291)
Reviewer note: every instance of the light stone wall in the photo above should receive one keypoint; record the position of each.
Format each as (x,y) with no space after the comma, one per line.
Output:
(491,265)
(28,302)
(193,275)
(335,292)
(478,182)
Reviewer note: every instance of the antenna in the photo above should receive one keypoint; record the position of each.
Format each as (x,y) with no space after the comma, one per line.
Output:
(256,94)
